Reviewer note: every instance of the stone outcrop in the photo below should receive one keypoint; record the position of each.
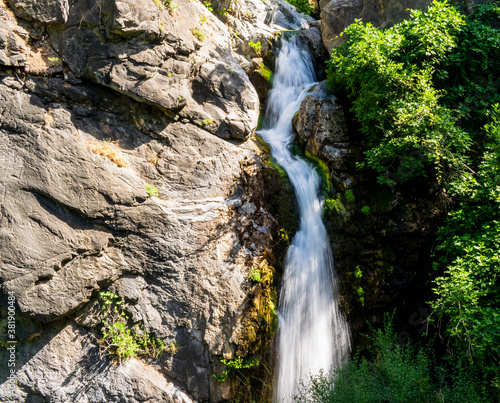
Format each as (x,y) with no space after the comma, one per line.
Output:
(101,102)
(322,127)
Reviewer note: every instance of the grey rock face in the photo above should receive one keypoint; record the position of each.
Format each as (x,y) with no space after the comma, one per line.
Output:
(73,223)
(12,39)
(45,11)
(144,87)
(336,15)
(322,128)
(68,368)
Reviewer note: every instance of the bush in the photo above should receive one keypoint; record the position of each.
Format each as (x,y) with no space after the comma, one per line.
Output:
(425,95)
(388,75)
(394,373)
(122,340)
(303,6)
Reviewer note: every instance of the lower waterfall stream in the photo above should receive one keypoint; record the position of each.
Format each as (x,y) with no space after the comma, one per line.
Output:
(312,334)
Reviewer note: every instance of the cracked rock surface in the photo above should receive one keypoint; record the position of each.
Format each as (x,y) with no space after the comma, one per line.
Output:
(98,100)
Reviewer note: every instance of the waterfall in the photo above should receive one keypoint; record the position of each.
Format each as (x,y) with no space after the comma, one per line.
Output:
(312,333)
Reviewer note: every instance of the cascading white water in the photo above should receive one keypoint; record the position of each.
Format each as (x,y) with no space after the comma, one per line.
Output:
(312,335)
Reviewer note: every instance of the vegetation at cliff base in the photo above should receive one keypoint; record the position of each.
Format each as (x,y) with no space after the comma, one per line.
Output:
(395,373)
(425,96)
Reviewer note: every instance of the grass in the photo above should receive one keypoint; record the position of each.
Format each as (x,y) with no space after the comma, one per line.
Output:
(206,122)
(198,34)
(151,190)
(109,150)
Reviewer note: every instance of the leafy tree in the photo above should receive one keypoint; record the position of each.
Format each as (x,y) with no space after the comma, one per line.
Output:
(425,93)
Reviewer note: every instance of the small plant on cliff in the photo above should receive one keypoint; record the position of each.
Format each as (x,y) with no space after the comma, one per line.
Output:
(366,210)
(208,5)
(349,196)
(151,190)
(198,34)
(237,364)
(122,340)
(254,274)
(206,122)
(256,46)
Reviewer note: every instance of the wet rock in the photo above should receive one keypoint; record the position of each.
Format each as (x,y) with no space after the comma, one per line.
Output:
(260,75)
(322,128)
(312,39)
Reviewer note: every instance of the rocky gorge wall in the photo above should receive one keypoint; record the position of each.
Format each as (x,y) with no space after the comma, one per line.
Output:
(171,96)
(101,103)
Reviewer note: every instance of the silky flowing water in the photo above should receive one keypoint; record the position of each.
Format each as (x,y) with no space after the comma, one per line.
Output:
(312,333)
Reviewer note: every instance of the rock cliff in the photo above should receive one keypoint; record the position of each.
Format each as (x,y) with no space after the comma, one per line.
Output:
(128,165)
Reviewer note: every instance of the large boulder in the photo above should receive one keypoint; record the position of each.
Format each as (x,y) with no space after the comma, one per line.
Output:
(322,127)
(75,222)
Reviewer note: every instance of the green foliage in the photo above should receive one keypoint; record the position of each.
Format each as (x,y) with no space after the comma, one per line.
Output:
(366,210)
(358,273)
(349,196)
(151,190)
(254,274)
(256,46)
(469,290)
(198,34)
(303,6)
(206,122)
(123,341)
(237,364)
(395,373)
(225,11)
(425,94)
(388,75)
(208,5)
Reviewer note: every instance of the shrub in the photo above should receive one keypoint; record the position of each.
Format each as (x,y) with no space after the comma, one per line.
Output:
(198,34)
(394,373)
(122,340)
(206,122)
(303,6)
(425,94)
(237,364)
(151,190)
(257,47)
(388,76)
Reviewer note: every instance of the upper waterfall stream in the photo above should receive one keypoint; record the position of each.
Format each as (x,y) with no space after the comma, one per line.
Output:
(312,335)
